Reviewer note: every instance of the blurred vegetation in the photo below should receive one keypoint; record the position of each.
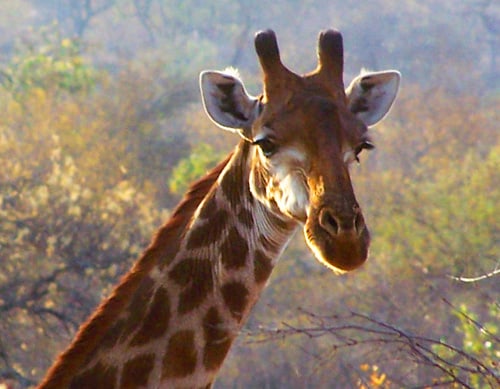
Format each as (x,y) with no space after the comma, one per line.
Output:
(101,130)
(202,158)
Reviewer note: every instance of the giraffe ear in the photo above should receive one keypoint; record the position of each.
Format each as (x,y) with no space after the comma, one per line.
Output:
(370,95)
(227,102)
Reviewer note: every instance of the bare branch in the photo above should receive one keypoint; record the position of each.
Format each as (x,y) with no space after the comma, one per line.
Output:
(356,329)
(476,279)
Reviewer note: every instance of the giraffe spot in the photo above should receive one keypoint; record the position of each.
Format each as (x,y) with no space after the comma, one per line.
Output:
(235,296)
(209,232)
(180,358)
(217,339)
(233,185)
(193,296)
(189,270)
(263,267)
(156,322)
(114,333)
(166,244)
(100,376)
(136,371)
(209,209)
(195,275)
(139,305)
(245,217)
(181,273)
(234,250)
(109,340)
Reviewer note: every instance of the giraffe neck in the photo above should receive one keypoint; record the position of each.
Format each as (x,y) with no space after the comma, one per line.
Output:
(191,296)
(223,264)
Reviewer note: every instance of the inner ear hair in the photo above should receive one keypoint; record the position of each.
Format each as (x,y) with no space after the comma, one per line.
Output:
(228,103)
(367,83)
(361,104)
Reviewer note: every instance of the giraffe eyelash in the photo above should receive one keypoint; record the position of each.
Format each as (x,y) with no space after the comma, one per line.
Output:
(267,146)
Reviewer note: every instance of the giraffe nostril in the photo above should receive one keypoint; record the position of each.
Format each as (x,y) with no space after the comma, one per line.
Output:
(359,223)
(336,225)
(329,222)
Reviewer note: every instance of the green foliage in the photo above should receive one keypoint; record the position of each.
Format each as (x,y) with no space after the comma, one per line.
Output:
(480,340)
(447,222)
(202,158)
(49,62)
(113,130)
(438,189)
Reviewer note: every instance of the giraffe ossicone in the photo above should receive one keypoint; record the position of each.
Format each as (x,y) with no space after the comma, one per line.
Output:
(171,320)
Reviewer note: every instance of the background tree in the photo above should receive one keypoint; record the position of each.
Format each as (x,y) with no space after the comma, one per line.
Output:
(101,129)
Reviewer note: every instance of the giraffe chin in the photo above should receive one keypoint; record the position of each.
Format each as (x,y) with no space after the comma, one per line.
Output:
(340,253)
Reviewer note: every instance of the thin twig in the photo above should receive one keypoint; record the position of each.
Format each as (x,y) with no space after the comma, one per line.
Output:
(476,279)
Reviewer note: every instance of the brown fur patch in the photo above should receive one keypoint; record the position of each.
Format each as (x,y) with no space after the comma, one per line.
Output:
(234,184)
(217,339)
(235,296)
(195,275)
(100,376)
(182,273)
(208,209)
(193,296)
(231,186)
(190,269)
(139,305)
(262,267)
(234,250)
(209,232)
(180,358)
(245,217)
(156,322)
(136,371)
(114,333)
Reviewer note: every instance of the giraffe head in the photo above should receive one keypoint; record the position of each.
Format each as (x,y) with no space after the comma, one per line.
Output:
(306,131)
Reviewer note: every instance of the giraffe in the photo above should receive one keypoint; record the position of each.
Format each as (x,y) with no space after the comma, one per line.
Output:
(171,320)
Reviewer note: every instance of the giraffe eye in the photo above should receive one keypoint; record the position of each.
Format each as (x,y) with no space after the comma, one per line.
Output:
(267,146)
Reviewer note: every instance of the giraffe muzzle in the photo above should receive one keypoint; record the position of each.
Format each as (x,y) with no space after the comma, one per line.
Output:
(340,240)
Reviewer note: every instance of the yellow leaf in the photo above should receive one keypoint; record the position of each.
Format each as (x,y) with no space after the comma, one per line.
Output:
(364,367)
(377,380)
(49,304)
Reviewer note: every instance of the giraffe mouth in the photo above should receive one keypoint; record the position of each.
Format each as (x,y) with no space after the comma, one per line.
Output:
(339,248)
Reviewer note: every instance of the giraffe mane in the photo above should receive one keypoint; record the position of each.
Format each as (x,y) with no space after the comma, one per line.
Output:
(164,243)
